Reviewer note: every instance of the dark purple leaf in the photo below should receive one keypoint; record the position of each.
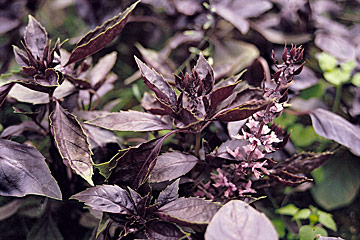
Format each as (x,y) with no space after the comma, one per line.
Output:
(151,104)
(4,91)
(23,171)
(130,121)
(220,94)
(51,78)
(189,211)
(306,79)
(157,84)
(133,165)
(257,72)
(186,119)
(8,24)
(10,208)
(241,112)
(161,230)
(238,220)
(27,95)
(181,38)
(188,7)
(35,38)
(45,228)
(333,127)
(172,165)
(205,74)
(289,179)
(72,142)
(303,162)
(169,194)
(107,198)
(100,36)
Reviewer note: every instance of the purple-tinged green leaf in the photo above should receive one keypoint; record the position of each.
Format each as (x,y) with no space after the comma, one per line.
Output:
(45,228)
(23,171)
(4,91)
(333,127)
(188,211)
(241,112)
(20,57)
(133,165)
(205,73)
(72,142)
(35,38)
(169,194)
(157,84)
(172,165)
(107,198)
(303,162)
(130,121)
(162,230)
(101,36)
(238,220)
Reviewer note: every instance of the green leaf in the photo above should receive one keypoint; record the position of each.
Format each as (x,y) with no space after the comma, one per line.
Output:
(356,79)
(347,67)
(289,209)
(238,220)
(302,136)
(280,227)
(316,91)
(23,171)
(101,36)
(327,62)
(337,181)
(302,214)
(72,142)
(308,233)
(327,220)
(337,76)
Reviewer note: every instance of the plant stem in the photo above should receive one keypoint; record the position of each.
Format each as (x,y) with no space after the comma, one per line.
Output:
(197,144)
(337,98)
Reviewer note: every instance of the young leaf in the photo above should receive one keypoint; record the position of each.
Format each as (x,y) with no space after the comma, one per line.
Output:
(101,69)
(161,230)
(157,84)
(101,36)
(4,91)
(72,142)
(308,232)
(133,165)
(172,165)
(188,211)
(238,220)
(23,171)
(35,38)
(289,209)
(205,74)
(169,194)
(334,127)
(220,94)
(45,228)
(327,220)
(241,112)
(130,121)
(107,198)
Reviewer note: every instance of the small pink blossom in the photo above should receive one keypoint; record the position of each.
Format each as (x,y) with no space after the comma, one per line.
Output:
(247,189)
(222,181)
(236,153)
(259,166)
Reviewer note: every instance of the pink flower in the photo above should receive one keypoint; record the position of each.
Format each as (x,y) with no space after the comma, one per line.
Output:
(222,181)
(236,153)
(259,166)
(247,189)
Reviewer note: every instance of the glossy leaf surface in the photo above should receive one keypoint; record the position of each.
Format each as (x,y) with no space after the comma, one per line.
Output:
(72,142)
(162,230)
(171,165)
(35,38)
(334,127)
(23,171)
(238,220)
(107,198)
(4,90)
(169,194)
(130,121)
